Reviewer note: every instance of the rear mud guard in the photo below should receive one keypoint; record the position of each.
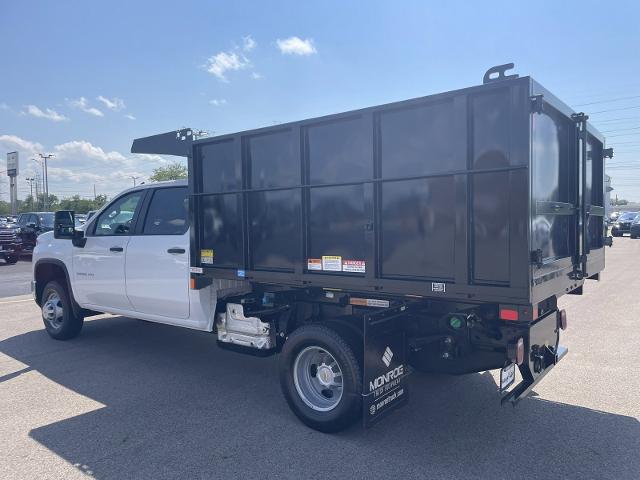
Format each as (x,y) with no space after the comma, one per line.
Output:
(385,369)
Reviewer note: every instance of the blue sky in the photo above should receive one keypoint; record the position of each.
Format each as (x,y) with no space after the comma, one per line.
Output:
(82,79)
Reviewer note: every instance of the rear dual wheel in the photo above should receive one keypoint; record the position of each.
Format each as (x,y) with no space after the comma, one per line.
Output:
(321,377)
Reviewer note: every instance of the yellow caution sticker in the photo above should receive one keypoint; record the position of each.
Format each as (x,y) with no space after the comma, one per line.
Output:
(332,263)
(206,256)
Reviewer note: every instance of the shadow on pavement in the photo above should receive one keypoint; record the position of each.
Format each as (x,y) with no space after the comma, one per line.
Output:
(179,407)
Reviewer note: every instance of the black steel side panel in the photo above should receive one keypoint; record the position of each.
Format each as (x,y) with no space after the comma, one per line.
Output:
(424,197)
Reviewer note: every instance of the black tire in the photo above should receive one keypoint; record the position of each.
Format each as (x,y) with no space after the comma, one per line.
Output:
(347,411)
(633,236)
(56,302)
(12,259)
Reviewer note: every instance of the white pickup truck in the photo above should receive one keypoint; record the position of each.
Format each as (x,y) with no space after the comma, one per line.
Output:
(134,262)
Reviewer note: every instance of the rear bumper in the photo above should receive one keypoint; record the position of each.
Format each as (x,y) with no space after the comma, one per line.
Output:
(543,352)
(523,389)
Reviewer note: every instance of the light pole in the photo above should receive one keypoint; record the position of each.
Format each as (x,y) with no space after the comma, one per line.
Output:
(46,177)
(134,179)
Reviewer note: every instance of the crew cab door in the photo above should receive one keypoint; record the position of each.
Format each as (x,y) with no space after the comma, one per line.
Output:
(99,266)
(157,259)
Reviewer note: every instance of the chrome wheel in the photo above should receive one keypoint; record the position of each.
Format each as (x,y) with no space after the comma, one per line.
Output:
(318,379)
(52,311)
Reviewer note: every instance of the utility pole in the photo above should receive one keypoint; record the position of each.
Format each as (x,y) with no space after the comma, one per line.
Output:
(37,182)
(134,179)
(94,192)
(37,189)
(46,177)
(30,181)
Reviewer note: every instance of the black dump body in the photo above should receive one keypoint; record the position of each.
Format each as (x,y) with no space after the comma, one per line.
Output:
(488,194)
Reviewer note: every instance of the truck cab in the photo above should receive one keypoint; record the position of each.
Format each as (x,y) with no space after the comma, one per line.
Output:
(131,258)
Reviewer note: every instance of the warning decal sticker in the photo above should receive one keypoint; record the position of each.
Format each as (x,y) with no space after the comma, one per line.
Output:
(206,256)
(314,264)
(332,263)
(354,266)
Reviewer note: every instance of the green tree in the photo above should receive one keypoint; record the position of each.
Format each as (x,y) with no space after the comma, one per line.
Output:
(173,171)
(5,208)
(98,202)
(30,204)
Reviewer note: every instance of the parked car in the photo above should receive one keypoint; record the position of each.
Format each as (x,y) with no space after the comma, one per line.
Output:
(10,242)
(634,231)
(31,225)
(623,224)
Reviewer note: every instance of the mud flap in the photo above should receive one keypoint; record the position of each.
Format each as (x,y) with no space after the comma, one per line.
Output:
(385,369)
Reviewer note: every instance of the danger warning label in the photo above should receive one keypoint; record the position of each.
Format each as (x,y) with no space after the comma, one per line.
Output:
(354,266)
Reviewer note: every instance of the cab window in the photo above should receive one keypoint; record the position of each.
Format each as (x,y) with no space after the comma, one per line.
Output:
(118,218)
(167,213)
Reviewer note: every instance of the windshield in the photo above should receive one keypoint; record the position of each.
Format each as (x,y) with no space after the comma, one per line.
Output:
(628,216)
(46,220)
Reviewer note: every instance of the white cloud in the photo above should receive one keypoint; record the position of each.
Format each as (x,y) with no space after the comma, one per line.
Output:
(4,106)
(129,116)
(24,147)
(47,113)
(82,104)
(116,104)
(256,75)
(217,102)
(248,43)
(296,46)
(78,164)
(223,62)
(85,150)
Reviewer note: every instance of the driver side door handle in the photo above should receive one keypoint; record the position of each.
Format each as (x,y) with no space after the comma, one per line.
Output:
(116,249)
(176,250)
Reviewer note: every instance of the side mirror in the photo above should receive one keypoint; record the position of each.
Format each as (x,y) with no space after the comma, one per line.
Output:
(31,225)
(64,225)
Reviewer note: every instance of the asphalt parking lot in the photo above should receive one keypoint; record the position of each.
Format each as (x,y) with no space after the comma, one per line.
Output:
(130,399)
(15,279)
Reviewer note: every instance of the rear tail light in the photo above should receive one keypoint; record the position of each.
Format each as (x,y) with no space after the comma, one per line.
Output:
(562,319)
(520,351)
(515,352)
(508,314)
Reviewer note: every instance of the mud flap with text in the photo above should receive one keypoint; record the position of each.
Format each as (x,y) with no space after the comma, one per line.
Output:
(385,369)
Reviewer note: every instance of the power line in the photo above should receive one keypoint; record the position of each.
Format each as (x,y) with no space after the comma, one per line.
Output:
(614,120)
(620,130)
(607,101)
(615,109)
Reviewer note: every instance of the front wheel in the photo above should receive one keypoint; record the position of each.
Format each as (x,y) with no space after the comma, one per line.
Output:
(321,378)
(11,260)
(58,316)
